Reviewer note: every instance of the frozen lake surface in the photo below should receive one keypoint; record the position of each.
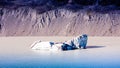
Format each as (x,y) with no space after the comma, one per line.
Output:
(101,52)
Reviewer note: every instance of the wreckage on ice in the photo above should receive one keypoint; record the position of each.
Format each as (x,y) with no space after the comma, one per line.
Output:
(78,42)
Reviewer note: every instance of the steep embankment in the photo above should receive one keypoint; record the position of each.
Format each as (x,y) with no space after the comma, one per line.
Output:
(61,22)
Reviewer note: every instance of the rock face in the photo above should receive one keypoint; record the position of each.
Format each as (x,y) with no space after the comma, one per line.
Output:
(67,20)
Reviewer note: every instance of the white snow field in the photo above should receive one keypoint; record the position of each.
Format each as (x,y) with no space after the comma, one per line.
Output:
(101,52)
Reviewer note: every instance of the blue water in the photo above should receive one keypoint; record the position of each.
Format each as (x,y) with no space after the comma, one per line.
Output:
(67,59)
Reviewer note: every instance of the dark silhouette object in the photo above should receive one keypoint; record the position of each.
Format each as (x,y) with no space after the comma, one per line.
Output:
(90,47)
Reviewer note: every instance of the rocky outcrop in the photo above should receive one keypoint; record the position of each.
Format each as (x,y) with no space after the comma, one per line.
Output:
(59,18)
(59,22)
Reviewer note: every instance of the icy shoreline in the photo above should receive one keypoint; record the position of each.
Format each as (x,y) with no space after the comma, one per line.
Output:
(100,52)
